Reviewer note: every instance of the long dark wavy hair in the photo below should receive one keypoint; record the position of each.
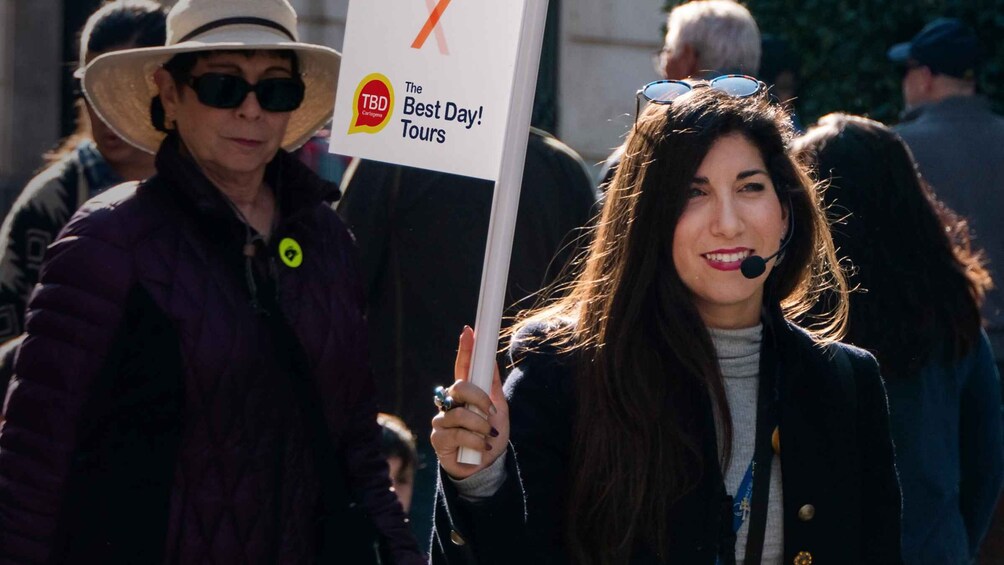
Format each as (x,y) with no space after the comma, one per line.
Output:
(920,281)
(647,367)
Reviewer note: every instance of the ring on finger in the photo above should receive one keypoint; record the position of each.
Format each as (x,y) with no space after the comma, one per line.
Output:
(449,404)
(443,401)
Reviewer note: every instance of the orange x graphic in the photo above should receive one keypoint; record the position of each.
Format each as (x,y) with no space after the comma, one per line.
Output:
(430,24)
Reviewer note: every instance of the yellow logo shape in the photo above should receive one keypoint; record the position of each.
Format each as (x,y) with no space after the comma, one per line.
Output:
(372,105)
(290,252)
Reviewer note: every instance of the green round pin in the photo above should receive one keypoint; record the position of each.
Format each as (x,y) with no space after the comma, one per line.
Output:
(290,252)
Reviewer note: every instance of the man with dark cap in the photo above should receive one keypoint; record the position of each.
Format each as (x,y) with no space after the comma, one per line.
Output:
(957,140)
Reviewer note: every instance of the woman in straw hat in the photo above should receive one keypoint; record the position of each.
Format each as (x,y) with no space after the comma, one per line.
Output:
(193,385)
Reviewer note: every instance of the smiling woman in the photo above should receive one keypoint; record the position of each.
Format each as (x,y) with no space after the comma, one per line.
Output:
(193,385)
(733,212)
(664,408)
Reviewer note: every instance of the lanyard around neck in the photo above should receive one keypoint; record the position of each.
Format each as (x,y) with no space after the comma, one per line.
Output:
(751,498)
(741,502)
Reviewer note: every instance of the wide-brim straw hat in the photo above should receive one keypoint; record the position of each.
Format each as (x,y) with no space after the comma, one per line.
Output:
(119,85)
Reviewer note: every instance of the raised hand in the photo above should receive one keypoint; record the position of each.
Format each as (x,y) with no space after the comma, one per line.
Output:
(460,426)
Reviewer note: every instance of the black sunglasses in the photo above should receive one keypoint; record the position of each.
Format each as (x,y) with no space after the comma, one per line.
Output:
(665,91)
(219,90)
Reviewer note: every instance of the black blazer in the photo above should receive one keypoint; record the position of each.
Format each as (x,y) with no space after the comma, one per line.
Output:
(836,459)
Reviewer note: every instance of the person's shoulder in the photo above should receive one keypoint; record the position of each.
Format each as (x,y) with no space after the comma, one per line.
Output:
(109,204)
(121,215)
(543,338)
(546,153)
(980,357)
(861,359)
(995,121)
(49,190)
(541,359)
(546,142)
(917,129)
(106,231)
(837,354)
(331,224)
(313,197)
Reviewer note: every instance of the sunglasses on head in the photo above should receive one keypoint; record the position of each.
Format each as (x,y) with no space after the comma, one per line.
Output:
(665,91)
(283,94)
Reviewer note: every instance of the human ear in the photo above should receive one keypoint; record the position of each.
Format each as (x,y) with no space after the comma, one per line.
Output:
(688,58)
(926,79)
(169,95)
(786,222)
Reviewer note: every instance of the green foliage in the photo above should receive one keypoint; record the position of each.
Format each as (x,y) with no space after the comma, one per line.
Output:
(843,44)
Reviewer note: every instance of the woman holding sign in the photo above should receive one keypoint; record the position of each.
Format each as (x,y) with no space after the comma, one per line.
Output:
(664,409)
(193,386)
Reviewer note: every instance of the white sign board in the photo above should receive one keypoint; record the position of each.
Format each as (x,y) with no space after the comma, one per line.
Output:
(448,88)
(428,83)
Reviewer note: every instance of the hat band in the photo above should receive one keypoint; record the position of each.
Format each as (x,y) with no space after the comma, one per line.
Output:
(238,21)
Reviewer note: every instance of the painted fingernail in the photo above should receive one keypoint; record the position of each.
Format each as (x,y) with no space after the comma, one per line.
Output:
(494,433)
(488,447)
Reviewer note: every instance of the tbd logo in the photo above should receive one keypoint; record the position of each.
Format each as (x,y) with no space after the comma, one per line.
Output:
(374,104)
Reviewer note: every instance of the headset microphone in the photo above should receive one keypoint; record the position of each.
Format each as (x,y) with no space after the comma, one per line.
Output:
(754,265)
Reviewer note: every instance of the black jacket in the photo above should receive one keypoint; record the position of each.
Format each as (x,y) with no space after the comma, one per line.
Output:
(836,455)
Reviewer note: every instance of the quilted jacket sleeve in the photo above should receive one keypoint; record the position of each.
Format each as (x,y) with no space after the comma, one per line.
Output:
(72,319)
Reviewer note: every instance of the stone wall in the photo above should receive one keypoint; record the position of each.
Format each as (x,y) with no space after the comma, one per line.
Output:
(606,55)
(30,51)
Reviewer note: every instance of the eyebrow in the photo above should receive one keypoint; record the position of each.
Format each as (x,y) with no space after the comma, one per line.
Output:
(740,176)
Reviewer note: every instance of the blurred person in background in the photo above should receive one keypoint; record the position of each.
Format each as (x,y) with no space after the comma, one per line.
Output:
(87,162)
(315,154)
(398,448)
(780,68)
(917,310)
(704,39)
(956,140)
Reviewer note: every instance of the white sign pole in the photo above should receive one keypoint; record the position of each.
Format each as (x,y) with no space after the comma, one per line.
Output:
(505,204)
